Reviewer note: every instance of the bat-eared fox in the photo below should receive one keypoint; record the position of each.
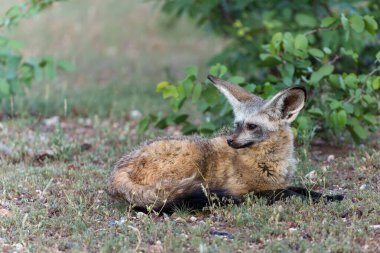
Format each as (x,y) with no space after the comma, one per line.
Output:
(258,157)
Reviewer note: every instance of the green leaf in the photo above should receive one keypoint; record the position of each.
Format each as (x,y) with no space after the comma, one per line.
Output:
(322,72)
(358,131)
(371,119)
(376,83)
(162,86)
(218,70)
(341,119)
(191,71)
(161,123)
(196,92)
(180,118)
(187,84)
(207,127)
(370,24)
(170,91)
(315,111)
(316,52)
(349,108)
(335,104)
(378,56)
(351,80)
(327,50)
(274,46)
(66,66)
(188,128)
(4,88)
(12,64)
(357,23)
(369,99)
(305,20)
(345,23)
(143,125)
(301,45)
(287,73)
(328,21)
(236,79)
(288,42)
(211,95)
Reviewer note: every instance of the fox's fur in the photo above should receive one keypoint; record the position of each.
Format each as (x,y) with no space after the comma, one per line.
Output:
(258,157)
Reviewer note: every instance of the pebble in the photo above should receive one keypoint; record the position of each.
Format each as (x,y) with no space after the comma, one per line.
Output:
(180,220)
(330,158)
(193,219)
(140,215)
(135,115)
(363,187)
(375,227)
(53,121)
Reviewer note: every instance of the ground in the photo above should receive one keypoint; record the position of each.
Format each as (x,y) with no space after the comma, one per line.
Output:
(54,163)
(52,192)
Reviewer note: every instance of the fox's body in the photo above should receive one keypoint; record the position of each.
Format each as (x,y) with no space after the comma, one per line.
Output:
(259,160)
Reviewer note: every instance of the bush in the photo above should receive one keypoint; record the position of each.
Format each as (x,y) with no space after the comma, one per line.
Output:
(16,71)
(329,47)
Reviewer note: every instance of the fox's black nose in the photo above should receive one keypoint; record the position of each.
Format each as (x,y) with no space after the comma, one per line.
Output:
(230,141)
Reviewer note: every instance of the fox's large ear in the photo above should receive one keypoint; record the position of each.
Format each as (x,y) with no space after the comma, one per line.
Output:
(287,104)
(234,93)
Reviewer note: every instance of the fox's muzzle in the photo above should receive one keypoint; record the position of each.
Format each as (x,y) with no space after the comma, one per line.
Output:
(233,144)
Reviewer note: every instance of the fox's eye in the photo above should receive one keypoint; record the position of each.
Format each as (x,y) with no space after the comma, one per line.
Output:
(251,127)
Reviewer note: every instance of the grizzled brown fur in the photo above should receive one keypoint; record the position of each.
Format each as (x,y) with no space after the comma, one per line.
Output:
(257,157)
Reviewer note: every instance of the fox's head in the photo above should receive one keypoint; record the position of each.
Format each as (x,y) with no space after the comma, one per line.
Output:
(256,118)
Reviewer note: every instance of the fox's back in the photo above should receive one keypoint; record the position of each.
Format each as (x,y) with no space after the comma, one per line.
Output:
(166,159)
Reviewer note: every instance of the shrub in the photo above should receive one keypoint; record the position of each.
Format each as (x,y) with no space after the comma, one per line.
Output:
(17,71)
(329,47)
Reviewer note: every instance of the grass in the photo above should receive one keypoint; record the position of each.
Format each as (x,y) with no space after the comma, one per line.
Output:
(57,202)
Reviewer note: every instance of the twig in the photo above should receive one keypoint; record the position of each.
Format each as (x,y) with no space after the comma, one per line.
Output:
(371,74)
(322,29)
(337,57)
(138,236)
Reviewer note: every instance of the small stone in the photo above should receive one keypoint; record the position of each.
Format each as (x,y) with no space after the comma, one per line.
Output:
(375,227)
(363,187)
(135,115)
(51,122)
(292,230)
(117,222)
(180,220)
(140,215)
(330,158)
(193,219)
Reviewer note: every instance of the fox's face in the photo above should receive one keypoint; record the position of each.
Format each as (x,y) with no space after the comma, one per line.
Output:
(256,118)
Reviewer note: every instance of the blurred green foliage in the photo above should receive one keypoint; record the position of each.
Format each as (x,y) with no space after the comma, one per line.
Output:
(331,47)
(17,71)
